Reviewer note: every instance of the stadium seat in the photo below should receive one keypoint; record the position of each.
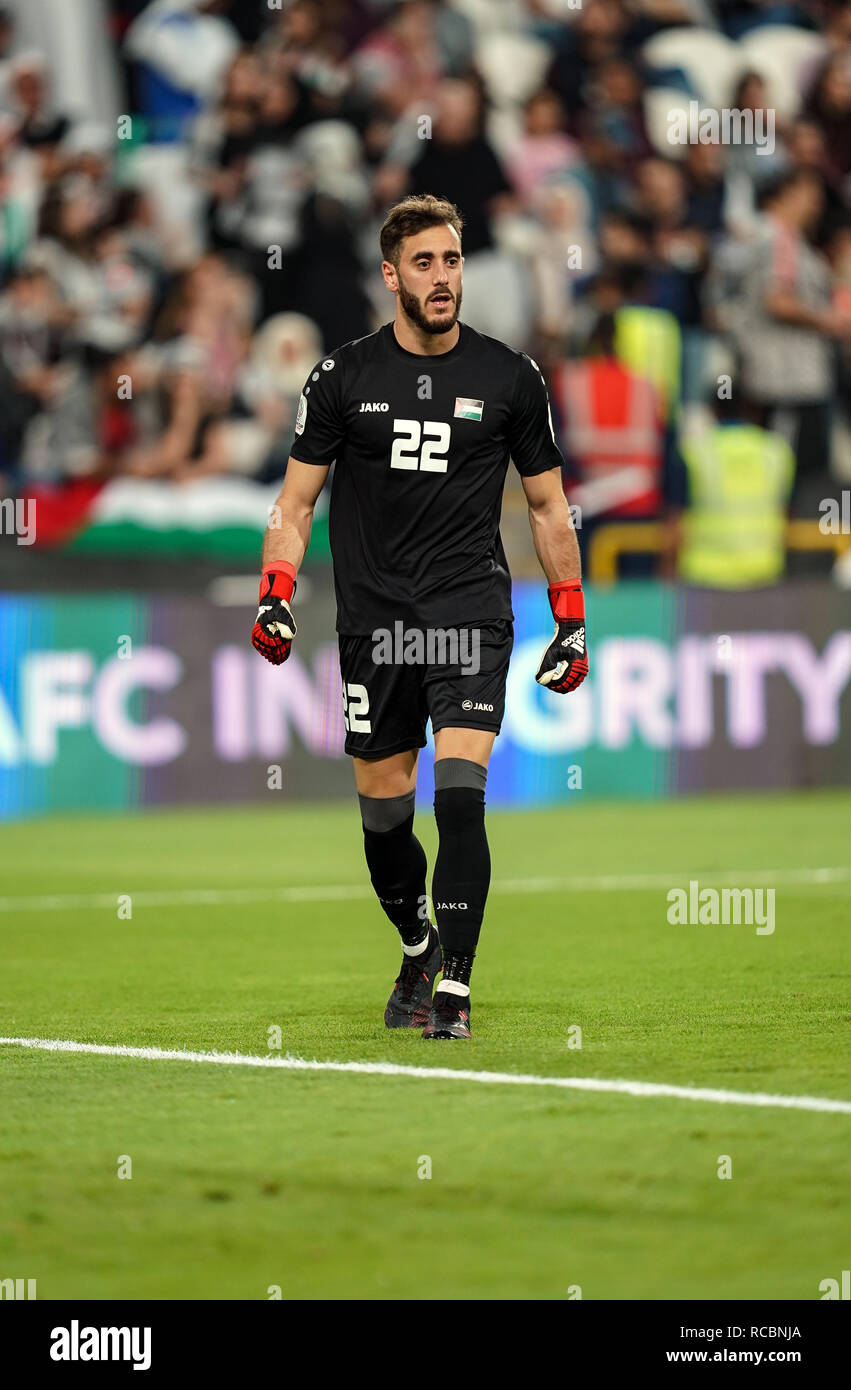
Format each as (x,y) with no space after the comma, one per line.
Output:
(486,16)
(658,104)
(497,298)
(711,62)
(784,56)
(504,127)
(513,66)
(331,144)
(165,173)
(333,151)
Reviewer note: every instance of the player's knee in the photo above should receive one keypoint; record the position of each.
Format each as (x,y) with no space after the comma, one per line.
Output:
(382,779)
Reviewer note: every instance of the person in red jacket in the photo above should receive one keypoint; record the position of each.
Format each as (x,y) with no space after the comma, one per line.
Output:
(622,460)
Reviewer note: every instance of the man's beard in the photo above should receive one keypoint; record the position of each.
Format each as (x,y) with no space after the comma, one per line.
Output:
(411,308)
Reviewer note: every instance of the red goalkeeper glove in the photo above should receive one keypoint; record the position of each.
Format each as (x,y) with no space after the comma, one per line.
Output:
(564,664)
(274,627)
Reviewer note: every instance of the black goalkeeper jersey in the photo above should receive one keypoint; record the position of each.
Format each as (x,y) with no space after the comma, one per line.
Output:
(422,446)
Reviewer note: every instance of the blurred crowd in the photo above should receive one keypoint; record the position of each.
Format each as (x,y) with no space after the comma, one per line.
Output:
(167,285)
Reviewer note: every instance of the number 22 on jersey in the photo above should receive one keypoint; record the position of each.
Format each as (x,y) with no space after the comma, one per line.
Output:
(421,446)
(356,708)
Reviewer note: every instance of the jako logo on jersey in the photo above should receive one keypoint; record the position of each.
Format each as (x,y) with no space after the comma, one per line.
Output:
(373,405)
(458,907)
(470,704)
(329,364)
(575,639)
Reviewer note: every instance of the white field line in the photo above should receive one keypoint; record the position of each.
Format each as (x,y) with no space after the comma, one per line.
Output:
(646,1089)
(343,892)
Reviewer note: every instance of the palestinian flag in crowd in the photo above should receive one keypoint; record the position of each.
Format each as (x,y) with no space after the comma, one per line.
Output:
(214,518)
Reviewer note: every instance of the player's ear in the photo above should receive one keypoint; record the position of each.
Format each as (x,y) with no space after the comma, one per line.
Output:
(388,270)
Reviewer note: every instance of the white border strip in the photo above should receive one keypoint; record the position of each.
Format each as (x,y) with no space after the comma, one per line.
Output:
(646,1089)
(343,892)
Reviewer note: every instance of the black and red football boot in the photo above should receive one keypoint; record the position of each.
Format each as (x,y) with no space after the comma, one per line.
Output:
(410,1002)
(449,1016)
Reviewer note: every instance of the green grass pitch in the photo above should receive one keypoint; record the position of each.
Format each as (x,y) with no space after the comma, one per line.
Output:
(246,1179)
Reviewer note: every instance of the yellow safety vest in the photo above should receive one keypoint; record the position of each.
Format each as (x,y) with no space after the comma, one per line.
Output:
(734,530)
(649,342)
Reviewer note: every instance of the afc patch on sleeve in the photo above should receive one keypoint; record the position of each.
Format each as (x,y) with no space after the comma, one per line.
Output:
(467,409)
(301,414)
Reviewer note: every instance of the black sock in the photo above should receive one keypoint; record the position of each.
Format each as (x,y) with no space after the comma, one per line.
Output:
(462,871)
(397,867)
(457,967)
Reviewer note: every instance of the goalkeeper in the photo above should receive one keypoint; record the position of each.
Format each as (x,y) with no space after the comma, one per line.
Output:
(422,418)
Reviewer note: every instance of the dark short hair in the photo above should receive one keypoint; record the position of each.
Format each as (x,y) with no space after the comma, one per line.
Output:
(774,189)
(637,222)
(414,215)
(601,342)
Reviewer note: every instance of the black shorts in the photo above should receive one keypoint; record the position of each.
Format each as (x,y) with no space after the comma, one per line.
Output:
(390,693)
